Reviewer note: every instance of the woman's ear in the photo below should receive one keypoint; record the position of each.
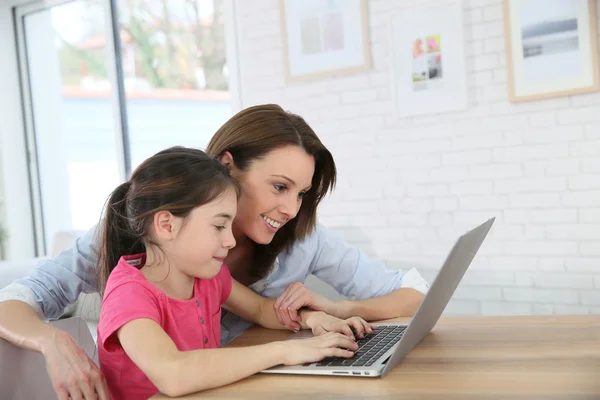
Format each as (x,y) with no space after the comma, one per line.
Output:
(227,160)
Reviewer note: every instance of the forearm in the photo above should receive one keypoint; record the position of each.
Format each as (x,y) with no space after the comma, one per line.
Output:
(268,319)
(198,370)
(21,325)
(403,302)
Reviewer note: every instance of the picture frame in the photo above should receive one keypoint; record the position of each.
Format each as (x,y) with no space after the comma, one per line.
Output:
(551,48)
(324,38)
(427,54)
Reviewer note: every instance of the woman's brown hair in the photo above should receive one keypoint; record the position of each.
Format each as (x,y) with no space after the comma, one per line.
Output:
(177,180)
(250,135)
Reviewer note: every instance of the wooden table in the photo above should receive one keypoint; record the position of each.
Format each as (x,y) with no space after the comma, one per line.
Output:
(516,357)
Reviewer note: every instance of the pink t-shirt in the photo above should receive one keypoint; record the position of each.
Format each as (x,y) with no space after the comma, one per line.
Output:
(191,324)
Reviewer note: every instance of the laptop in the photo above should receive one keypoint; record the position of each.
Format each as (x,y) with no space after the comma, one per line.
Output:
(378,353)
(23,374)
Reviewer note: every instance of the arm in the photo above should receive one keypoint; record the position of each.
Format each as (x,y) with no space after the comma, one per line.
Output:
(57,283)
(254,308)
(23,327)
(45,293)
(70,370)
(378,292)
(176,373)
(402,302)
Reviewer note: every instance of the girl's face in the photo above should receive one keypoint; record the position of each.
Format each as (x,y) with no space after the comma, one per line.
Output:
(201,242)
(272,191)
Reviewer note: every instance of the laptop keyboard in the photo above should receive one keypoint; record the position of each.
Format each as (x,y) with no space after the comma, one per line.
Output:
(370,348)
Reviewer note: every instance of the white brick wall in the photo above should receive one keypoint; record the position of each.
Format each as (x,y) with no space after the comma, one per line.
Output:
(408,187)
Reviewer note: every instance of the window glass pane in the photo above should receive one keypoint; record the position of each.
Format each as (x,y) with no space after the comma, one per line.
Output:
(74,128)
(175,71)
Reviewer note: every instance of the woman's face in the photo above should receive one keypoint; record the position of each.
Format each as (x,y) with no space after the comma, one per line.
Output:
(272,191)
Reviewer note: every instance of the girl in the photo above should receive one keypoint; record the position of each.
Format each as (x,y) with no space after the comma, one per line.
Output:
(165,236)
(284,172)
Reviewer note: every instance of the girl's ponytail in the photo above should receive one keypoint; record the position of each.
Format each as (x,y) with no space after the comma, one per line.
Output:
(116,237)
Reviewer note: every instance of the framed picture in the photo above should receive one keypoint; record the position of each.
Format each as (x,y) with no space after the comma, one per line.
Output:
(324,38)
(428,59)
(552,48)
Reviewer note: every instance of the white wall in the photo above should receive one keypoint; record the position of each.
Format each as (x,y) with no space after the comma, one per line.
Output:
(408,187)
(2,212)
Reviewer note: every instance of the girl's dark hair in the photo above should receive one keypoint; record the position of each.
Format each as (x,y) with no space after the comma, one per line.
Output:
(177,180)
(250,135)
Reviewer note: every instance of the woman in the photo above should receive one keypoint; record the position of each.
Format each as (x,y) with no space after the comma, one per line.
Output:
(284,172)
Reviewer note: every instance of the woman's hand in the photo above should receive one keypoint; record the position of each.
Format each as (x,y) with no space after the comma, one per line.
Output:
(297,296)
(317,348)
(321,323)
(72,374)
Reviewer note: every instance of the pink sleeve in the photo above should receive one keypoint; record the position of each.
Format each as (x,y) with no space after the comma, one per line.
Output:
(123,304)
(225,280)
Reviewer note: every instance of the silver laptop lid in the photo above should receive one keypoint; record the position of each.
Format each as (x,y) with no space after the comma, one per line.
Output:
(440,292)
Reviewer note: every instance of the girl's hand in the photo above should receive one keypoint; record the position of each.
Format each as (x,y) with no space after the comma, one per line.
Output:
(321,323)
(317,348)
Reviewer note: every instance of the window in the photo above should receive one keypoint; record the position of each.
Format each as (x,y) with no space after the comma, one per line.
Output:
(174,63)
(94,113)
(72,125)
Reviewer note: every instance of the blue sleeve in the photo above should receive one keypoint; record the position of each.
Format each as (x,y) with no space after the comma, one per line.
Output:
(57,283)
(352,273)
